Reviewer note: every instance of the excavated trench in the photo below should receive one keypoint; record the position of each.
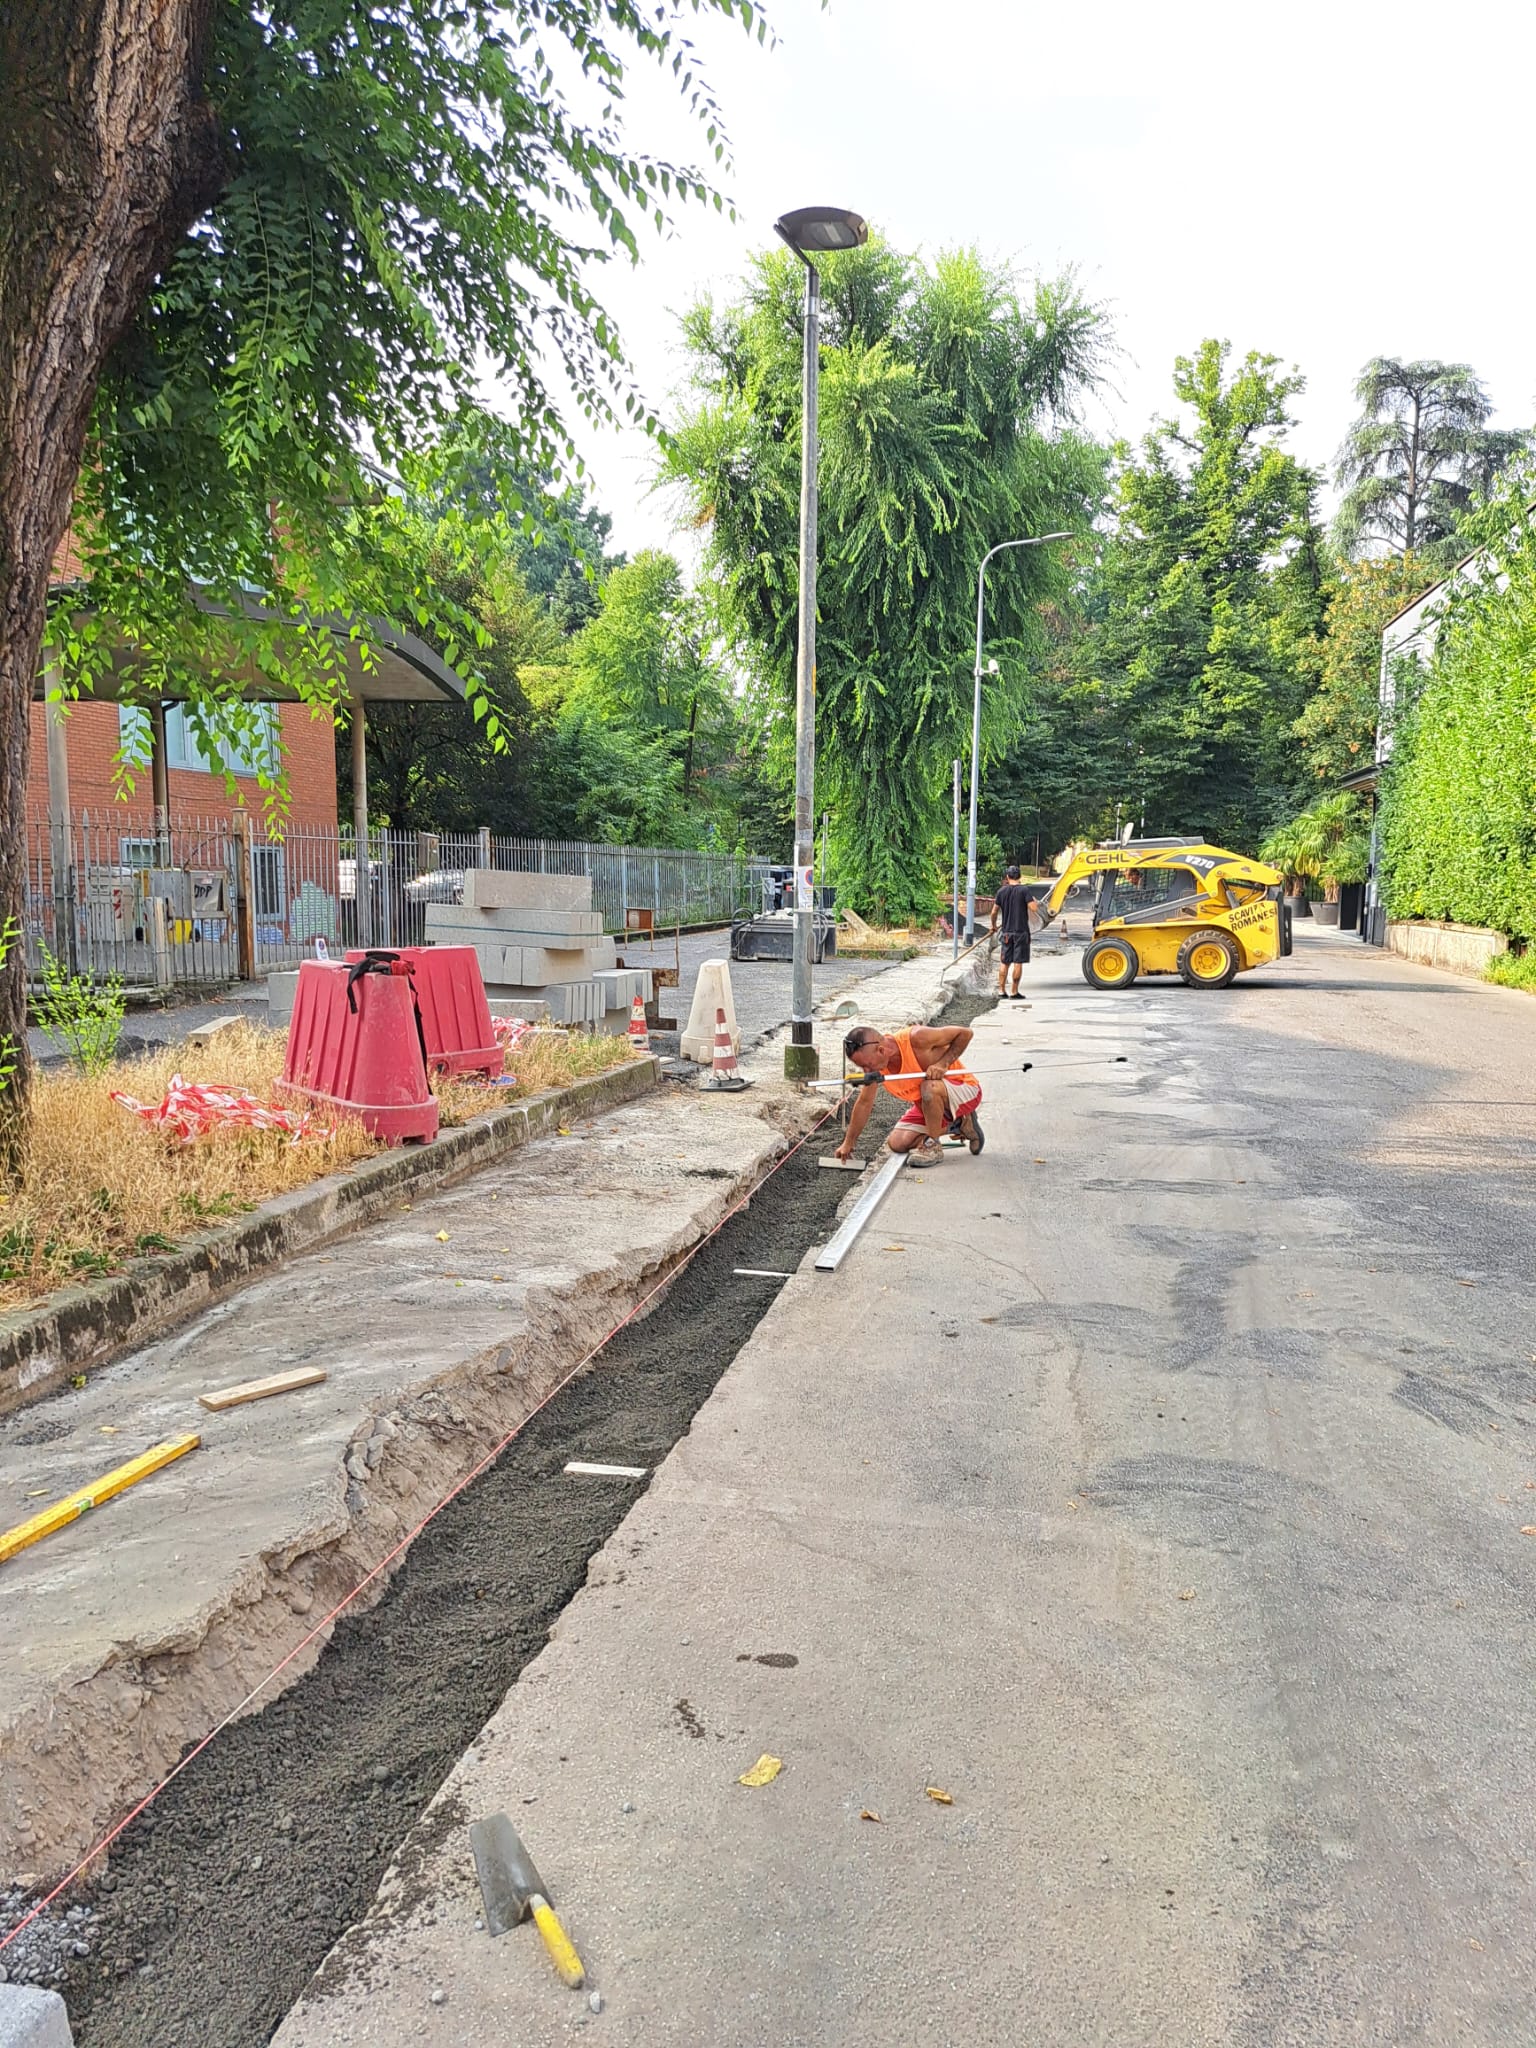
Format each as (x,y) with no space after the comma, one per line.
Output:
(224,1897)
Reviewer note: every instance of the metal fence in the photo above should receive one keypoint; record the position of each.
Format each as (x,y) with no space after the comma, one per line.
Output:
(207,902)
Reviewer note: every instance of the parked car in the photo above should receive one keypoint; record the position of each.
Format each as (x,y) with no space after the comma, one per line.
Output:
(437,885)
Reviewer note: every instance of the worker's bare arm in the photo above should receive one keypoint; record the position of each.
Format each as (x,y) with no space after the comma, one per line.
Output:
(858,1117)
(940,1049)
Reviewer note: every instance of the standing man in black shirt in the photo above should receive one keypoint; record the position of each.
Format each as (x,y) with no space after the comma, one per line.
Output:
(1012,908)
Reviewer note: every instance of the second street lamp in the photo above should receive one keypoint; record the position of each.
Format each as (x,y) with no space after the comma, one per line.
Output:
(811,229)
(1039,541)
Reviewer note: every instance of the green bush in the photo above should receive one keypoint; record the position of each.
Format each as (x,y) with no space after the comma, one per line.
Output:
(1513,970)
(83,1016)
(1459,806)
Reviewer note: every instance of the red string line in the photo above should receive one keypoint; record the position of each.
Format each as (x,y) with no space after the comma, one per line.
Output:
(405,1541)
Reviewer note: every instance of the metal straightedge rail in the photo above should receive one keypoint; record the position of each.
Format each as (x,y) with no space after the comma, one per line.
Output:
(837,1248)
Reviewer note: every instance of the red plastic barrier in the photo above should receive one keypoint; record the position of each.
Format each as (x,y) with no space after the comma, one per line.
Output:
(361,1057)
(455,1016)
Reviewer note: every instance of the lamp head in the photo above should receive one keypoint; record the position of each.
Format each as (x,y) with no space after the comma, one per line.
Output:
(818,230)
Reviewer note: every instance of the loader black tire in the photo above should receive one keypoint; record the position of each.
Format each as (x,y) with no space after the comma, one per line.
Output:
(1110,963)
(1209,959)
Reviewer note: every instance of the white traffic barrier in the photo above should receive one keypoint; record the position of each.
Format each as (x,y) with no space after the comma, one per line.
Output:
(711,992)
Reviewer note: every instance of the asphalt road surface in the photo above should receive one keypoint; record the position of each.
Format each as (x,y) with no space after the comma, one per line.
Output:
(1155,1486)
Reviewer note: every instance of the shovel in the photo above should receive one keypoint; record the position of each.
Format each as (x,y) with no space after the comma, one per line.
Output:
(513,1891)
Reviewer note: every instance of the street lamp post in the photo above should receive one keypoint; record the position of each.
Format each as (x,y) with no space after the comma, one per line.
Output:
(1039,541)
(809,229)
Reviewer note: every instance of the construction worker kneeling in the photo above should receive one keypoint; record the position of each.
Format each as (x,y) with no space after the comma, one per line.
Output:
(920,1067)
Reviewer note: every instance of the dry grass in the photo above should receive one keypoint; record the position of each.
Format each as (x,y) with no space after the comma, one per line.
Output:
(877,943)
(101,1186)
(547,1059)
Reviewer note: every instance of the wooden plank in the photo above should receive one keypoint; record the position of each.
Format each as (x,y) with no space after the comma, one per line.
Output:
(261,1390)
(74,1505)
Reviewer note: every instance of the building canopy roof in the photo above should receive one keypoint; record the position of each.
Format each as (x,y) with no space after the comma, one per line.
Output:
(400,668)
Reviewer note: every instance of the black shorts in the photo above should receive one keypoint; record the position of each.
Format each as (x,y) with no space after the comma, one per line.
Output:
(1015,949)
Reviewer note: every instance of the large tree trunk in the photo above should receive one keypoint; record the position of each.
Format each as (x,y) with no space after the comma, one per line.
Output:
(108,153)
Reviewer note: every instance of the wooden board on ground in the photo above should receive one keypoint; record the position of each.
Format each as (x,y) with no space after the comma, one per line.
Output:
(854,922)
(205,1034)
(260,1390)
(79,1503)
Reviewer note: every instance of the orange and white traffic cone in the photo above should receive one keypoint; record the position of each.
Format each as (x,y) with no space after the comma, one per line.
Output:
(639,1037)
(724,1074)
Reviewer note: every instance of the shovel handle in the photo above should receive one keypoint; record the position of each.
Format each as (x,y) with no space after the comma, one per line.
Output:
(562,1950)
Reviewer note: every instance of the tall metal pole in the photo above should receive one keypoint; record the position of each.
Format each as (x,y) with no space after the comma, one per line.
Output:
(970,857)
(800,1061)
(954,893)
(1036,541)
(362,866)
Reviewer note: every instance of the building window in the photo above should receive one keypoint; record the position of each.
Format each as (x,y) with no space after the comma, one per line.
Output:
(267,878)
(255,749)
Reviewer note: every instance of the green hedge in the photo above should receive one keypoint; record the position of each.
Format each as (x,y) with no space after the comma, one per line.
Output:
(1459,807)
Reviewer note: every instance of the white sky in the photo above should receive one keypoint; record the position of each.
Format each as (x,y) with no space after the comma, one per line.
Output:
(1325,183)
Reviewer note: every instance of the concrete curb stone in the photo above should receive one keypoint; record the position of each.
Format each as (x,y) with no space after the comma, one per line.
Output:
(33,2019)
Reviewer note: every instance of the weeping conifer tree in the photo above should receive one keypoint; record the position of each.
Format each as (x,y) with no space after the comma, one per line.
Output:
(948,423)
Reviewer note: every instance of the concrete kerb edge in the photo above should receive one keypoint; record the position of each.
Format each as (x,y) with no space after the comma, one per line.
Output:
(82,1328)
(31,2018)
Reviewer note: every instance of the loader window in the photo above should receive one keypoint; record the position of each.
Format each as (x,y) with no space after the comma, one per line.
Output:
(1150,894)
(1239,893)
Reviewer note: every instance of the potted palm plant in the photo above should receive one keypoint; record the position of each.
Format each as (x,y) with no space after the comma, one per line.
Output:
(1289,849)
(1329,843)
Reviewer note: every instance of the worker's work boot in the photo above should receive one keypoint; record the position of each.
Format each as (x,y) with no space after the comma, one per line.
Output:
(969,1128)
(928,1153)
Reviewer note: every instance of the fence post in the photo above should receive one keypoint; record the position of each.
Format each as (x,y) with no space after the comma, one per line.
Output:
(159,942)
(426,852)
(483,848)
(245,896)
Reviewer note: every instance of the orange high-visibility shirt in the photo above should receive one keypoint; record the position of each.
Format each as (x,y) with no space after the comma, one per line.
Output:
(912,1090)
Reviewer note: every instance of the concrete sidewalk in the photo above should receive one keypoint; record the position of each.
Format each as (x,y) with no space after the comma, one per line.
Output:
(865,1559)
(1097,1492)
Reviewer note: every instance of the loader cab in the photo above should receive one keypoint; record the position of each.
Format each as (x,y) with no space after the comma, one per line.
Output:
(1141,894)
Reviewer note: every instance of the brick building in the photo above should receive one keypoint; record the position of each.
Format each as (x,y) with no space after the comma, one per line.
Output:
(94,732)
(188,876)
(302,743)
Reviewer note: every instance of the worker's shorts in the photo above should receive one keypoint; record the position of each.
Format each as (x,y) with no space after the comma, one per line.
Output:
(1015,949)
(963,1097)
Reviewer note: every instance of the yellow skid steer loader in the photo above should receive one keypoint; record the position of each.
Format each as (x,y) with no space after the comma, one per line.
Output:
(1176,906)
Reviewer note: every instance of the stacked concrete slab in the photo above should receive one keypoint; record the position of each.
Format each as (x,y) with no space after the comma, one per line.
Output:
(539,940)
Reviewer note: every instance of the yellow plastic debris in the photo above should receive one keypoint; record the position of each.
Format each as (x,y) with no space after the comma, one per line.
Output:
(442,1237)
(937,1792)
(763,1772)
